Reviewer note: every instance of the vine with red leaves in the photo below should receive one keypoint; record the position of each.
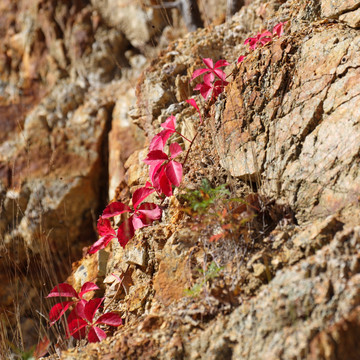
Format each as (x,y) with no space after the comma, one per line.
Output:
(165,173)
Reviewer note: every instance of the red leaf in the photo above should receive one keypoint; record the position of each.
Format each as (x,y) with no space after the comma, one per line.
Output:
(266,33)
(211,69)
(221,63)
(88,286)
(146,215)
(265,40)
(115,208)
(74,314)
(215,69)
(155,156)
(279,29)
(101,243)
(137,222)
(198,72)
(91,307)
(260,39)
(175,150)
(252,42)
(79,310)
(159,140)
(109,318)
(219,87)
(164,183)
(174,172)
(96,334)
(205,89)
(150,211)
(154,174)
(64,290)
(220,74)
(58,310)
(208,62)
(141,194)
(104,227)
(192,102)
(169,123)
(241,59)
(125,232)
(77,328)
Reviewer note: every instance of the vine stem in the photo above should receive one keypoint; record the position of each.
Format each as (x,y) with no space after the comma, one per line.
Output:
(188,151)
(183,136)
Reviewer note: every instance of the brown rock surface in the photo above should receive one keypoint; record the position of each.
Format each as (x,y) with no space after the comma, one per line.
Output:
(282,282)
(332,8)
(288,126)
(299,130)
(66,80)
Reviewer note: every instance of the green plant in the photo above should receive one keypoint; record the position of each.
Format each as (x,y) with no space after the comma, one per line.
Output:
(211,273)
(200,200)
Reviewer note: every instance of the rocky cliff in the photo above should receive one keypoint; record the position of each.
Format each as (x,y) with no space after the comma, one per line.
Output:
(283,139)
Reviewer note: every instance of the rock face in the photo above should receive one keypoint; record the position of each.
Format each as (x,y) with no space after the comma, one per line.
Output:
(64,105)
(288,126)
(284,137)
(298,121)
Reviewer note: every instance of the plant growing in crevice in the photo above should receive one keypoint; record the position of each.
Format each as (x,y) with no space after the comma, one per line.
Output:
(200,200)
(216,215)
(164,172)
(83,325)
(80,321)
(142,214)
(263,38)
(212,272)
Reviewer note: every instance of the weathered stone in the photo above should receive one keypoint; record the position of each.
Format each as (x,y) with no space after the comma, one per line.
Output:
(55,116)
(272,326)
(315,236)
(333,8)
(124,138)
(136,256)
(351,18)
(138,23)
(281,151)
(338,341)
(170,281)
(259,270)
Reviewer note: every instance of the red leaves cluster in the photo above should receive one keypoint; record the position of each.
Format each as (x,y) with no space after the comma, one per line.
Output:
(80,321)
(66,290)
(164,171)
(259,40)
(209,85)
(262,38)
(141,214)
(80,326)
